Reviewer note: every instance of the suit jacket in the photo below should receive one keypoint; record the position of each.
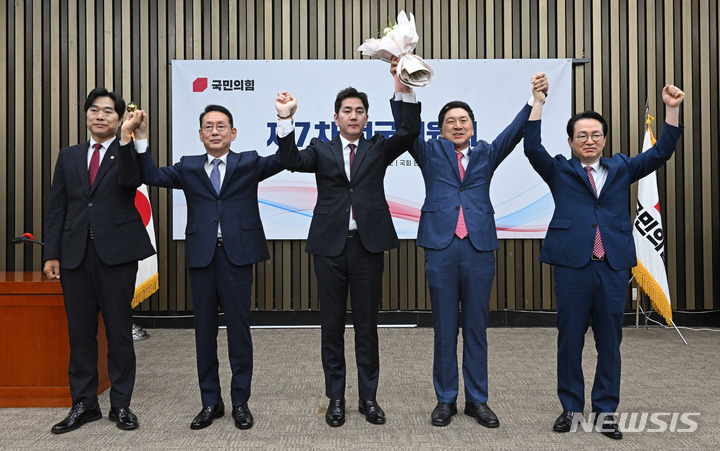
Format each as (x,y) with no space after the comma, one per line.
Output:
(235,208)
(108,208)
(445,192)
(571,232)
(365,189)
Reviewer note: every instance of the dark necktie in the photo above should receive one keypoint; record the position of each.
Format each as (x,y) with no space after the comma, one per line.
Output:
(215,175)
(94,164)
(352,159)
(461,228)
(598,248)
(352,156)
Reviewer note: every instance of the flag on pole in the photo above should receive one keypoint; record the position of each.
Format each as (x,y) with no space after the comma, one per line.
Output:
(649,235)
(146,281)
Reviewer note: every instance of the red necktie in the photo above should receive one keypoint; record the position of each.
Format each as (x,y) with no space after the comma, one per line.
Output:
(460,228)
(598,248)
(94,164)
(352,155)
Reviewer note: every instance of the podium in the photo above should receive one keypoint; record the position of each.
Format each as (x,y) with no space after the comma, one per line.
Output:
(34,344)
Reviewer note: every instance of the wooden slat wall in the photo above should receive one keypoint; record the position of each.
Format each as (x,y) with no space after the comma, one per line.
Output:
(53,52)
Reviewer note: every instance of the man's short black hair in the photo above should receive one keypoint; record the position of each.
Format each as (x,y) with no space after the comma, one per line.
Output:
(454,104)
(102,92)
(219,109)
(350,93)
(586,115)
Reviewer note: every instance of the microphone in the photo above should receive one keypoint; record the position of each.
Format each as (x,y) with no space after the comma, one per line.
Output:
(26,238)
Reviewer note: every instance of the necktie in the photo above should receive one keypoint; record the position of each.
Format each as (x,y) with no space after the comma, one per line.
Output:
(352,155)
(598,248)
(352,159)
(215,175)
(460,228)
(94,164)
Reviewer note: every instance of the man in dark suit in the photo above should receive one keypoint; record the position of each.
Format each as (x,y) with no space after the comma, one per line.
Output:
(589,240)
(457,230)
(350,231)
(224,237)
(95,235)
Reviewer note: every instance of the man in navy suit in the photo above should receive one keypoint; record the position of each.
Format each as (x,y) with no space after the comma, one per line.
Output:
(589,240)
(95,235)
(224,237)
(350,231)
(457,230)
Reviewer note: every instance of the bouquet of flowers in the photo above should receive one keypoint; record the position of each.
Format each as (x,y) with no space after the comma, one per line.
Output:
(400,40)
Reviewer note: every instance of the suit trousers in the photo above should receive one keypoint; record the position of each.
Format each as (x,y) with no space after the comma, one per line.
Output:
(362,271)
(91,287)
(223,284)
(594,294)
(460,274)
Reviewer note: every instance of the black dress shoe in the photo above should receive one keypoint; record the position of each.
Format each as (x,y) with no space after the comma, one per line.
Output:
(123,417)
(564,421)
(207,414)
(79,415)
(443,413)
(609,427)
(372,411)
(243,417)
(335,415)
(482,413)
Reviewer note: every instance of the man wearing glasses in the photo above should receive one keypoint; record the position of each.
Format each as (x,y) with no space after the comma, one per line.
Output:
(589,240)
(224,237)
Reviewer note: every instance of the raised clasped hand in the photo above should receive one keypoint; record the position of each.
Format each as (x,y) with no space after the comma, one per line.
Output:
(540,86)
(285,104)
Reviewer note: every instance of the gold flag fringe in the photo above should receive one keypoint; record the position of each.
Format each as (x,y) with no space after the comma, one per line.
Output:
(649,285)
(145,289)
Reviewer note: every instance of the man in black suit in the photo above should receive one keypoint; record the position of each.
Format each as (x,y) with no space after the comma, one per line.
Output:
(95,235)
(224,238)
(350,230)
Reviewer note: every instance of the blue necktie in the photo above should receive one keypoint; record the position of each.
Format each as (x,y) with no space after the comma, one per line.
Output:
(215,175)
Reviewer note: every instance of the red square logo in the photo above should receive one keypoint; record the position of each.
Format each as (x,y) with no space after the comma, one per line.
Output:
(200,84)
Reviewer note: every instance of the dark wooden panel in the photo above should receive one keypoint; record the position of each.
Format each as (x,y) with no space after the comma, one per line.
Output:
(633,48)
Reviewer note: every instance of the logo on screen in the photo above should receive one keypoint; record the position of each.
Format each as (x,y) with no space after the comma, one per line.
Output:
(200,84)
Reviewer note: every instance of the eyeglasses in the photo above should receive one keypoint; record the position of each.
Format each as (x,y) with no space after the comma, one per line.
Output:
(219,127)
(582,137)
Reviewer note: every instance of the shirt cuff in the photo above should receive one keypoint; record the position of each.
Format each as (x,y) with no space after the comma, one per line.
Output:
(531,102)
(407,97)
(284,127)
(141,145)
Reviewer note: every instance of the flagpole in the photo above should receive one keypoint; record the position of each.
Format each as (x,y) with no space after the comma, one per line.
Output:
(639,295)
(143,288)
(678,331)
(646,272)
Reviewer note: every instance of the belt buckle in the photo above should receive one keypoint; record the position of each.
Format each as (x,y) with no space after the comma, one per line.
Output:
(352,233)
(598,259)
